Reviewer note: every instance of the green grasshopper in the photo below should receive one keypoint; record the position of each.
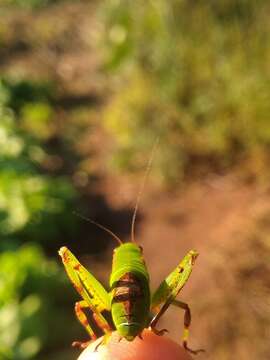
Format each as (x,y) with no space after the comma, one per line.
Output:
(129,300)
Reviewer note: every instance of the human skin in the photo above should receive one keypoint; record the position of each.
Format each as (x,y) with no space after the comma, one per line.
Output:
(150,347)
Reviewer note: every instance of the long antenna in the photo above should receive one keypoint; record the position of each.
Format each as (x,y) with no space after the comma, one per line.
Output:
(148,168)
(100,226)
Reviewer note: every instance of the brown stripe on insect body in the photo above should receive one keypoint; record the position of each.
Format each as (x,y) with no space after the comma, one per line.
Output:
(127,287)
(127,291)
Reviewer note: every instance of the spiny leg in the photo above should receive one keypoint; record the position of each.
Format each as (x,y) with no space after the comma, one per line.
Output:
(84,282)
(104,326)
(166,293)
(174,282)
(100,321)
(187,322)
(95,296)
(79,306)
(97,315)
(156,318)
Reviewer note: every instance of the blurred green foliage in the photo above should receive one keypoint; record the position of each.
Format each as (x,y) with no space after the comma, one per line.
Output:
(195,74)
(24,92)
(31,304)
(29,198)
(34,207)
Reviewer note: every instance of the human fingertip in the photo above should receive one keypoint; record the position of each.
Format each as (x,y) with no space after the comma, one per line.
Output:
(150,347)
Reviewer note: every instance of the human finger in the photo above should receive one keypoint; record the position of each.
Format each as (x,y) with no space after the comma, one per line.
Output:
(150,347)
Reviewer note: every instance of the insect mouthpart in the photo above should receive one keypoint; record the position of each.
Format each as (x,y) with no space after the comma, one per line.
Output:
(129,330)
(129,338)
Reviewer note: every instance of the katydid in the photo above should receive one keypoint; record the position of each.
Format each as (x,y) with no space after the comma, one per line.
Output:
(129,300)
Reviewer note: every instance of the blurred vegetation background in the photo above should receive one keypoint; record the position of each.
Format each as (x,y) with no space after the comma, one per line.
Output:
(86,88)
